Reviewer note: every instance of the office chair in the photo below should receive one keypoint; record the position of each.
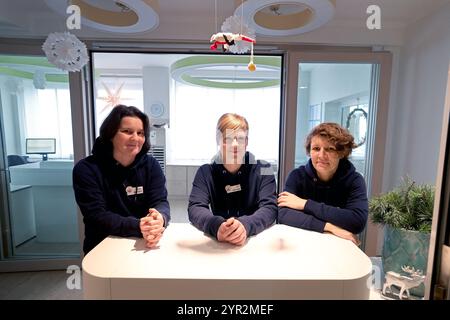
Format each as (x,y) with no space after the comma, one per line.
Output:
(15,160)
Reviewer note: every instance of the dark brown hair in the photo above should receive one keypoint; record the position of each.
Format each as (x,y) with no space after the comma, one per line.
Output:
(338,136)
(111,124)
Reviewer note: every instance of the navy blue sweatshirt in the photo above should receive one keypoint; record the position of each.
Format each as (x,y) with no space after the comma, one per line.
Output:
(100,184)
(342,201)
(254,205)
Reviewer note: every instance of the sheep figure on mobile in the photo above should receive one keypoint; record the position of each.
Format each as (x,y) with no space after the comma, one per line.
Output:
(236,37)
(227,40)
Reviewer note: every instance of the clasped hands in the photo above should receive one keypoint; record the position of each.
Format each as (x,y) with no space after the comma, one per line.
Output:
(232,231)
(152,227)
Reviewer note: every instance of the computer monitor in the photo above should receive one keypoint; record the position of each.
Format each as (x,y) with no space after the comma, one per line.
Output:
(43,146)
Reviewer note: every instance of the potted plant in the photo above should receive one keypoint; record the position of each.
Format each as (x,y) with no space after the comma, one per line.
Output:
(406,213)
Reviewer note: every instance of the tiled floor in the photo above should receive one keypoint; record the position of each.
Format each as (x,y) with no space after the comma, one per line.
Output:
(32,248)
(42,285)
(52,285)
(375,295)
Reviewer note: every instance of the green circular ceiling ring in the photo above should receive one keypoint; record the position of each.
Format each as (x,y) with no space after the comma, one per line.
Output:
(229,85)
(63,78)
(180,71)
(31,61)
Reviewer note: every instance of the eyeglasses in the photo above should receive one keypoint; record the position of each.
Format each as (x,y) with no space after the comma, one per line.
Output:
(230,140)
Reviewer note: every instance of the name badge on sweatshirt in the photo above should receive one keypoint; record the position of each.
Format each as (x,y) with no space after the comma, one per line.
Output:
(133,190)
(231,189)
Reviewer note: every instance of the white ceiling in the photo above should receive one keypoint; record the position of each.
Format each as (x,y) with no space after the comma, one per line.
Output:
(194,20)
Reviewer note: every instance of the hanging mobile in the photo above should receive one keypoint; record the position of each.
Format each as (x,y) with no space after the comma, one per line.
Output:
(231,39)
(251,65)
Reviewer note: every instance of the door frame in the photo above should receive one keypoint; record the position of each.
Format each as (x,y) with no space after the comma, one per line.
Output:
(32,47)
(384,60)
(437,281)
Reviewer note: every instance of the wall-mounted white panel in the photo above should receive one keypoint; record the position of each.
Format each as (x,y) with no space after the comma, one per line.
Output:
(156,94)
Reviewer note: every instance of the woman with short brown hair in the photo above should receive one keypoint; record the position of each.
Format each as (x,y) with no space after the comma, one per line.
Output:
(326,194)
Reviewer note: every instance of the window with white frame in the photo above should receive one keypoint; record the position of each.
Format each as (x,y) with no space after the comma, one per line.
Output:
(188,136)
(194,115)
(48,115)
(315,115)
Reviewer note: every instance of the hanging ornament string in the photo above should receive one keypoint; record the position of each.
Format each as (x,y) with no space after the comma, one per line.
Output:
(251,65)
(242,14)
(215,14)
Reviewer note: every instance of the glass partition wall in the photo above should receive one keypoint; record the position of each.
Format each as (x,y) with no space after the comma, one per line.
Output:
(334,92)
(39,216)
(352,89)
(184,95)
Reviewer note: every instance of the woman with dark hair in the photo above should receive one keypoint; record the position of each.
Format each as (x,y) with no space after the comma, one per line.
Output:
(326,194)
(119,188)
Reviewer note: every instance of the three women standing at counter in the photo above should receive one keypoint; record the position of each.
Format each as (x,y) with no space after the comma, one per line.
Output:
(121,190)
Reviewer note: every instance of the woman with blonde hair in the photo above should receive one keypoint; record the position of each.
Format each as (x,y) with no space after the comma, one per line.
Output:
(234,197)
(326,194)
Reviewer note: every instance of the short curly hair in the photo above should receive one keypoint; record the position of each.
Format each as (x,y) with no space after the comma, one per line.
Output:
(340,137)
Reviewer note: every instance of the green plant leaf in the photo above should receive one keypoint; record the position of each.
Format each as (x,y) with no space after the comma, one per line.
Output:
(409,206)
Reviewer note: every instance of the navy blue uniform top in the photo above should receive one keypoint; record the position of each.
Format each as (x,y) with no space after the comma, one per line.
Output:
(342,201)
(100,184)
(254,205)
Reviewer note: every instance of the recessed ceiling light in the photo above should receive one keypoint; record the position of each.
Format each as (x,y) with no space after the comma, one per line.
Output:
(284,18)
(124,16)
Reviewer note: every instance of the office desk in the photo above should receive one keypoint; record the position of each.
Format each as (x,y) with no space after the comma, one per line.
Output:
(54,201)
(280,263)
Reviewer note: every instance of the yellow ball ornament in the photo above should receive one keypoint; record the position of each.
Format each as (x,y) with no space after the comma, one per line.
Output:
(251,66)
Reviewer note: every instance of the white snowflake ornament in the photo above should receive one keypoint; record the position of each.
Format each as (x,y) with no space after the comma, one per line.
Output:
(65,51)
(235,25)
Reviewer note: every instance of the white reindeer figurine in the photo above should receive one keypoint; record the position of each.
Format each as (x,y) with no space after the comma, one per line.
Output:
(403,282)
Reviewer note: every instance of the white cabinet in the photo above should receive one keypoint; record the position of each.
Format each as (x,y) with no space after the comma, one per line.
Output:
(179,180)
(53,198)
(22,216)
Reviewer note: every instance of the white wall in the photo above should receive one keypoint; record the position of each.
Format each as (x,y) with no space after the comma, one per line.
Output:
(156,86)
(10,116)
(336,81)
(416,107)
